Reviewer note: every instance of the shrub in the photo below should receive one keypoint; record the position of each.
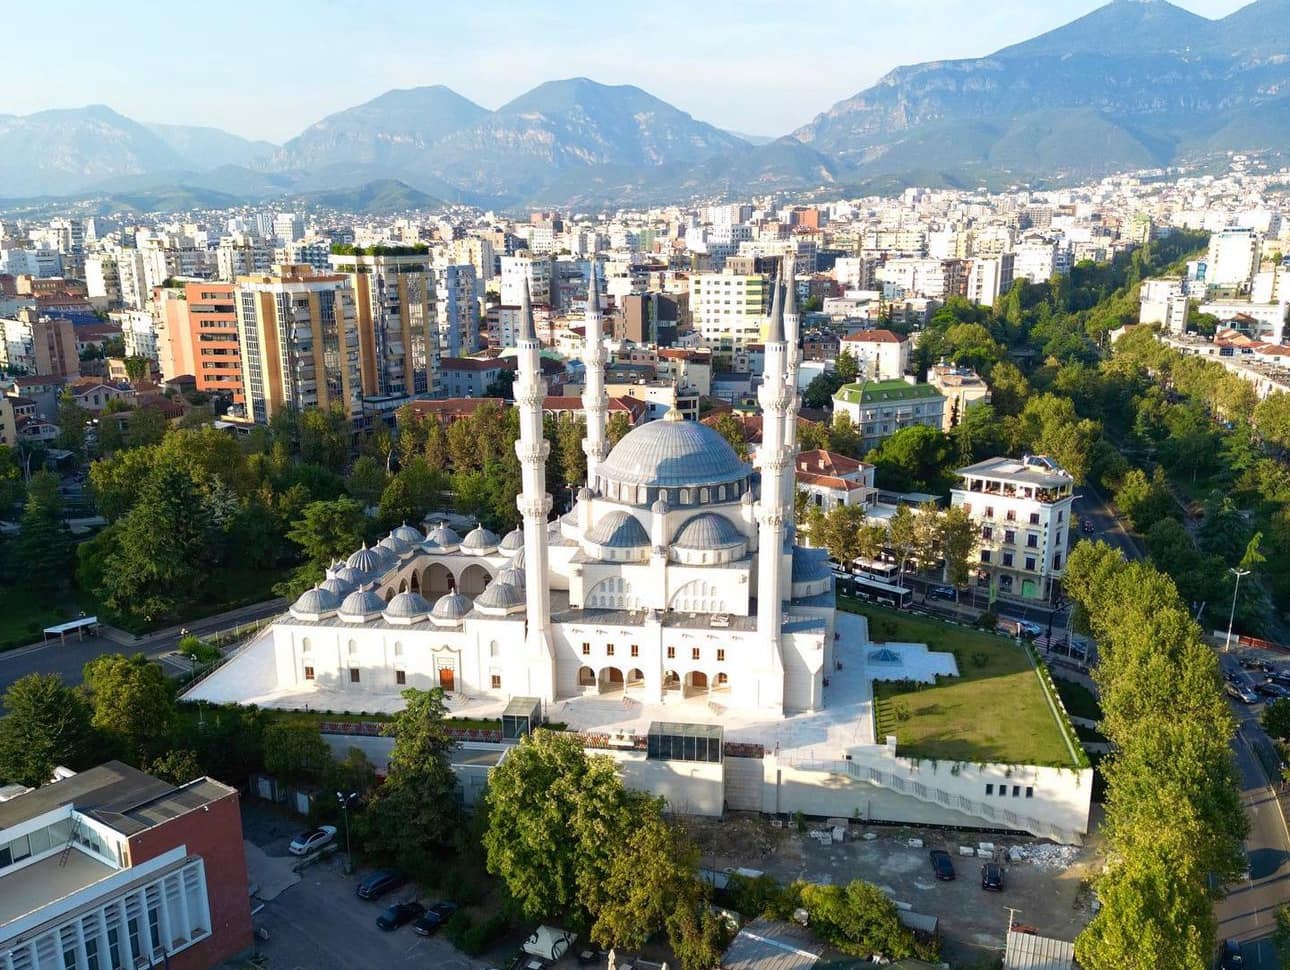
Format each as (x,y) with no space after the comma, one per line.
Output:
(471,937)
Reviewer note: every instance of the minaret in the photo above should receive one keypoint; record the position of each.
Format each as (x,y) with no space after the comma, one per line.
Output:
(534,503)
(792,335)
(775,402)
(594,400)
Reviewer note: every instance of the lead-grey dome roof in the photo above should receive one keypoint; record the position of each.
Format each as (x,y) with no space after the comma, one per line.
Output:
(513,542)
(451,606)
(363,603)
(442,535)
(707,530)
(337,587)
(408,534)
(810,565)
(315,602)
(395,546)
(479,538)
(619,530)
(367,561)
(351,576)
(500,596)
(408,606)
(671,453)
(512,577)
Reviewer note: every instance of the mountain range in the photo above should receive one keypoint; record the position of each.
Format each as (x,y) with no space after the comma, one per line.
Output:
(1134,84)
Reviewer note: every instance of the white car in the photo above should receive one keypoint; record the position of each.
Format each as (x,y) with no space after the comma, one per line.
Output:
(313,840)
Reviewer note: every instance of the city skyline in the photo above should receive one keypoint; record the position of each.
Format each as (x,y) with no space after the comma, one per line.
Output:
(728,57)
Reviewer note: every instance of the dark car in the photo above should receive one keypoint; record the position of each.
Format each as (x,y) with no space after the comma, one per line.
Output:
(942,864)
(380,882)
(1269,689)
(992,877)
(1281,678)
(1231,956)
(436,915)
(940,592)
(1087,526)
(400,914)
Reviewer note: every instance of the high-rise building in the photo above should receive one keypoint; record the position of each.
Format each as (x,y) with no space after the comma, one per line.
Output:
(298,335)
(199,337)
(39,345)
(989,278)
(728,310)
(1233,257)
(457,306)
(540,276)
(398,335)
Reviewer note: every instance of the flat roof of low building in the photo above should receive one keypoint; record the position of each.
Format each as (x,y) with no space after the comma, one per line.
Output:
(40,883)
(1012,470)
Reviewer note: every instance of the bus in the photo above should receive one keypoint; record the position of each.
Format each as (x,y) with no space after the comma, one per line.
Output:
(876,569)
(875,589)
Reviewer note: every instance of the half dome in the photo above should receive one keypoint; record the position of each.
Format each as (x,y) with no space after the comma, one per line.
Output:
(707,530)
(619,530)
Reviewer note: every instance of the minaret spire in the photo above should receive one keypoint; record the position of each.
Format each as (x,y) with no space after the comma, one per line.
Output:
(792,334)
(595,403)
(534,503)
(775,403)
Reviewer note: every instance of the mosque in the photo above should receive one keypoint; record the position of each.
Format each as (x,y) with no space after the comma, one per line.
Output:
(674,575)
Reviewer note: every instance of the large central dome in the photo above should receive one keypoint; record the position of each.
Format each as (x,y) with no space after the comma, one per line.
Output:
(673,454)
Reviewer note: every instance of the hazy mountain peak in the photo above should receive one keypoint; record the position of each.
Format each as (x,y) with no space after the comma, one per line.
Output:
(1119,27)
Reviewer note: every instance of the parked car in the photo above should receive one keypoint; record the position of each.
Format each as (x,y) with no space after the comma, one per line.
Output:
(399,914)
(1231,956)
(992,877)
(313,840)
(1249,664)
(940,592)
(1087,526)
(1242,693)
(380,882)
(1280,677)
(436,915)
(1269,689)
(942,864)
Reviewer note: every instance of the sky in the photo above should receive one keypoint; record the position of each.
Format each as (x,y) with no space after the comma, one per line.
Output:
(269,68)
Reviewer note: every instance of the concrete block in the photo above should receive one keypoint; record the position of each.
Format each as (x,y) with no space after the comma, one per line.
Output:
(967,850)
(985,853)
(839,834)
(915,843)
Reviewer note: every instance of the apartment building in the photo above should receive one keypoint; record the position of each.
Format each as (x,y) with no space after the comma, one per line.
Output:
(541,276)
(1233,258)
(457,308)
(961,387)
(989,278)
(39,345)
(298,335)
(199,337)
(113,868)
(881,408)
(472,376)
(830,479)
(882,355)
(1023,511)
(398,335)
(1164,301)
(729,310)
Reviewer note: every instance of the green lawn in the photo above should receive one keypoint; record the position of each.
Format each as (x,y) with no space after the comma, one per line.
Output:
(995,711)
(23,616)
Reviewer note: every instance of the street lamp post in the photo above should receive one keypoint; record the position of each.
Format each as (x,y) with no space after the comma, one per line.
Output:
(344,806)
(1231,617)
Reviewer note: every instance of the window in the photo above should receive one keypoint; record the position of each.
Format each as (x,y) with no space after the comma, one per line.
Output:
(636,650)
(309,673)
(1007,559)
(685,496)
(721,654)
(305,645)
(1003,791)
(985,555)
(1030,563)
(987,532)
(586,649)
(989,789)
(1061,516)
(609,649)
(400,677)
(352,648)
(1034,518)
(671,653)
(1032,542)
(989,511)
(496,681)
(1030,792)
(1012,515)
(1009,536)
(1057,560)
(1016,791)
(493,649)
(354,675)
(398,649)
(694,653)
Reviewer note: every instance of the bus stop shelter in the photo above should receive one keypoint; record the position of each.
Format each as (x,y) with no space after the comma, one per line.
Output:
(86,624)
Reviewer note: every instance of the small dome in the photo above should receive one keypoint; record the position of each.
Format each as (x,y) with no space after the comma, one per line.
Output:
(499,597)
(337,587)
(810,565)
(367,560)
(479,539)
(351,577)
(511,576)
(361,605)
(619,530)
(451,606)
(444,537)
(408,606)
(707,530)
(407,534)
(513,542)
(315,602)
(395,546)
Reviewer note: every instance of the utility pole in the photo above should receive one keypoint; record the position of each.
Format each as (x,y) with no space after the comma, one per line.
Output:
(344,805)
(1231,617)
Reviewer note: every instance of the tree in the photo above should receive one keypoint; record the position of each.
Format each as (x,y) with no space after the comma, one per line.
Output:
(957,540)
(858,919)
(47,724)
(147,426)
(838,530)
(1009,388)
(570,433)
(137,367)
(617,427)
(43,548)
(325,532)
(902,535)
(72,420)
(295,751)
(652,872)
(178,767)
(912,459)
(844,436)
(1276,719)
(554,853)
(732,429)
(846,367)
(11,485)
(414,815)
(698,935)
(324,436)
(412,492)
(978,434)
(367,480)
(134,703)
(1145,501)
(1272,419)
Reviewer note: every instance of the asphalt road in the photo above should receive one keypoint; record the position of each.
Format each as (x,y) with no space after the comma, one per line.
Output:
(1246,913)
(69,658)
(1091,506)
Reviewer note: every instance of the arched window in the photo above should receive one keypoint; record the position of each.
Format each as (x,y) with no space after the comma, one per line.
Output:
(305,645)
(353,647)
(586,677)
(492,649)
(642,495)
(685,496)
(703,496)
(721,493)
(398,649)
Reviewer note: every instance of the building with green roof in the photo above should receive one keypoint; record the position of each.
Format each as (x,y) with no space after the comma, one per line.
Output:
(881,408)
